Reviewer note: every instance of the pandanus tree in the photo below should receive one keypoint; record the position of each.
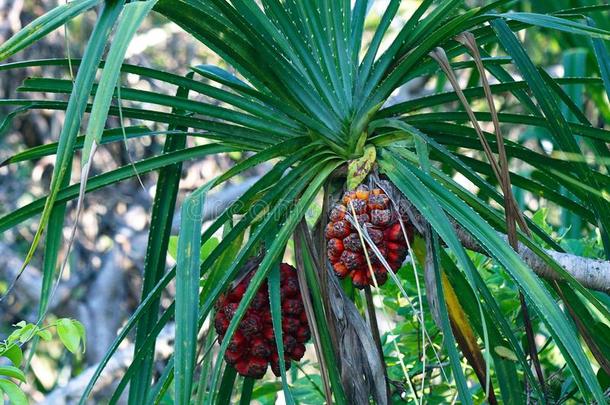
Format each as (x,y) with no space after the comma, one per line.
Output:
(309,93)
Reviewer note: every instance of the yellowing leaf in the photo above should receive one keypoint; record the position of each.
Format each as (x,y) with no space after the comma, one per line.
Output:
(358,169)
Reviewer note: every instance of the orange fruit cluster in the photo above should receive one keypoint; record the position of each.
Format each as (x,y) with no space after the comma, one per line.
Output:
(373,211)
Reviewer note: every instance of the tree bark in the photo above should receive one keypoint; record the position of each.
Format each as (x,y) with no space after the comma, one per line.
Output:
(591,273)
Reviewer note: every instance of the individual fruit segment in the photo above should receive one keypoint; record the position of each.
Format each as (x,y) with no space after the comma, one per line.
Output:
(252,348)
(339,229)
(373,211)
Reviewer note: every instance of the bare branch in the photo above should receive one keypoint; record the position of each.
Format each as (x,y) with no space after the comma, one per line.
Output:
(591,273)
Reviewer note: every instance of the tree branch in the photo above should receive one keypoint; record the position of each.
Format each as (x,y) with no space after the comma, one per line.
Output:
(591,273)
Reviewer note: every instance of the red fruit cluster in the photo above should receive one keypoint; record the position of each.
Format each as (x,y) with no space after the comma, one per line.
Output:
(253,345)
(373,212)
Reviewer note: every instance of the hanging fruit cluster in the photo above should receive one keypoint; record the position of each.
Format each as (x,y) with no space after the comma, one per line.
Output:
(375,214)
(253,345)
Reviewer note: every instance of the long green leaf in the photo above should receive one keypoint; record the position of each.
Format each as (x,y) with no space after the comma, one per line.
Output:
(163,384)
(511,387)
(357,27)
(109,135)
(557,23)
(273,251)
(252,101)
(369,57)
(402,42)
(560,128)
(226,133)
(439,222)
(394,78)
(603,59)
(312,276)
(246,391)
(472,93)
(45,24)
(218,280)
(455,161)
(449,339)
(74,112)
(131,18)
(531,286)
(227,383)
(290,28)
(187,292)
(131,322)
(577,129)
(56,213)
(143,352)
(112,177)
(319,33)
(275,305)
(496,219)
(221,261)
(245,54)
(154,262)
(278,127)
